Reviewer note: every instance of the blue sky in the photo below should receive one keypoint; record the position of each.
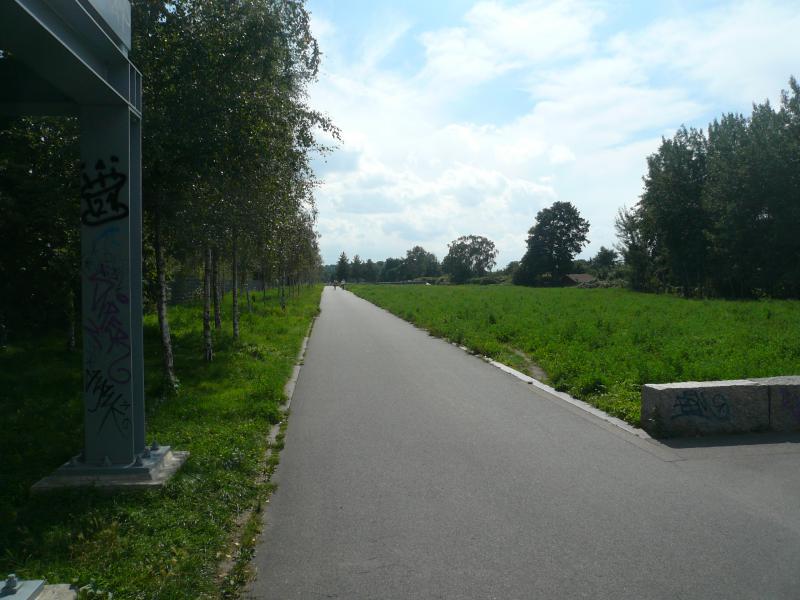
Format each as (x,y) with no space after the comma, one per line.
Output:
(468,117)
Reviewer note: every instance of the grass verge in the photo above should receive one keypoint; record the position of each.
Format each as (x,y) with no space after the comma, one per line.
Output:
(601,345)
(164,543)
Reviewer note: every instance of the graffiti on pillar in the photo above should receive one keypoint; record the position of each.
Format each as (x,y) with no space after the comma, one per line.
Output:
(100,194)
(103,323)
(108,400)
(695,404)
(109,344)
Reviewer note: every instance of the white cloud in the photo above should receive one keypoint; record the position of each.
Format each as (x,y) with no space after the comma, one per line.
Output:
(733,52)
(598,104)
(497,38)
(535,31)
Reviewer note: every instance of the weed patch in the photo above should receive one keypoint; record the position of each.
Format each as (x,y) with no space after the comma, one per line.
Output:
(601,345)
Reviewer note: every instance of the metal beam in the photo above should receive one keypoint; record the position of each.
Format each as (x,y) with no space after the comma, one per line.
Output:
(58,47)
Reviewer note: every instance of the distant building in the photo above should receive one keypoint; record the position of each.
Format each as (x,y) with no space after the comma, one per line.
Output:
(577,279)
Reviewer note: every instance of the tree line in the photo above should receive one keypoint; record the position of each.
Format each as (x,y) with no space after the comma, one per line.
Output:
(558,234)
(228,138)
(720,210)
(468,257)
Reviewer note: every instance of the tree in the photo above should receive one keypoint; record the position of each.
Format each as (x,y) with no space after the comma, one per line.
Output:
(370,271)
(469,256)
(636,248)
(557,236)
(39,234)
(672,201)
(719,213)
(392,270)
(356,269)
(510,268)
(603,262)
(342,267)
(227,138)
(420,263)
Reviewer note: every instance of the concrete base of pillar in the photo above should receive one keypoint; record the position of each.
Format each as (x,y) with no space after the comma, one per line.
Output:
(148,471)
(16,589)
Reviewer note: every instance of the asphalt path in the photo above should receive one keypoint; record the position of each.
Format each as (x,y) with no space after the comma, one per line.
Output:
(415,470)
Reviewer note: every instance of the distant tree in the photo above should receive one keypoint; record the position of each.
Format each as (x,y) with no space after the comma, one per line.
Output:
(469,256)
(420,263)
(509,269)
(636,248)
(392,270)
(342,267)
(580,265)
(557,236)
(603,262)
(356,269)
(370,273)
(328,273)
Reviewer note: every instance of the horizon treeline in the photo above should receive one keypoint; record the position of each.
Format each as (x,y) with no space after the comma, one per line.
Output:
(720,210)
(417,263)
(228,139)
(469,258)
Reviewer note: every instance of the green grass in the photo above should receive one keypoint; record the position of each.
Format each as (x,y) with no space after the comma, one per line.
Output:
(601,345)
(147,544)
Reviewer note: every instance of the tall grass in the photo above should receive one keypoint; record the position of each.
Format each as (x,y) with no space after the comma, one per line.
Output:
(148,544)
(601,345)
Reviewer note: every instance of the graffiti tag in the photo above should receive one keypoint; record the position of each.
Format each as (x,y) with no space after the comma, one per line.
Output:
(108,400)
(695,404)
(103,324)
(101,195)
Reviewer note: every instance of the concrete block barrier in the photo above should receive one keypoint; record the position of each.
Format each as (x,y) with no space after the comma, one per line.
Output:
(784,407)
(704,407)
(716,407)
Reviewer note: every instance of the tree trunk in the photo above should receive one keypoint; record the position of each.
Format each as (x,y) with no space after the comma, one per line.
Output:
(283,289)
(215,284)
(247,293)
(263,281)
(167,358)
(235,287)
(209,344)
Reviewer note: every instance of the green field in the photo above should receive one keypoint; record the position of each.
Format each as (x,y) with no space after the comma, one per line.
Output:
(148,544)
(600,345)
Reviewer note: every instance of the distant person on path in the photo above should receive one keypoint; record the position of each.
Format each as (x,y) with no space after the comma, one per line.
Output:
(335,283)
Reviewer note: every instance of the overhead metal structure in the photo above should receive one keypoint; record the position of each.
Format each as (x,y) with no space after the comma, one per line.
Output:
(70,57)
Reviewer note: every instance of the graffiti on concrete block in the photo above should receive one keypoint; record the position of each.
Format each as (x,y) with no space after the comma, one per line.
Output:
(695,404)
(100,194)
(108,400)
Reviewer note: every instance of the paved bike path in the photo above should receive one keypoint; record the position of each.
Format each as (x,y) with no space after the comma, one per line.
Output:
(414,470)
